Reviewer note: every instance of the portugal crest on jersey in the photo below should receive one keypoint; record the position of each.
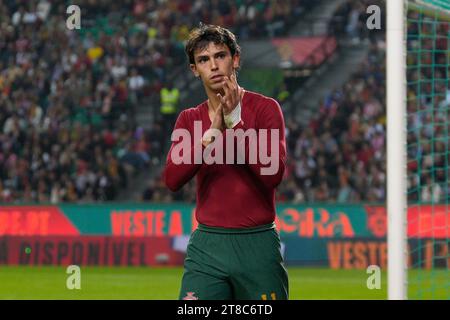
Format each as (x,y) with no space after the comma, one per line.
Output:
(190,296)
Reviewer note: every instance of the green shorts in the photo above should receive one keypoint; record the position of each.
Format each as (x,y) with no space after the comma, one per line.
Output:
(234,264)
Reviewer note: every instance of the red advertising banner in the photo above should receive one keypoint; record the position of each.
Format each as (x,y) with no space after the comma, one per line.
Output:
(143,223)
(89,250)
(428,221)
(35,220)
(299,221)
(424,221)
(359,254)
(356,254)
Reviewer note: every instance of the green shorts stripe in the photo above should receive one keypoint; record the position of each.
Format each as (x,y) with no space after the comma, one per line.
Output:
(264,227)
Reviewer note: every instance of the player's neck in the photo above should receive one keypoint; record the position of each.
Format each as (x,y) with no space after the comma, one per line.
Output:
(213,100)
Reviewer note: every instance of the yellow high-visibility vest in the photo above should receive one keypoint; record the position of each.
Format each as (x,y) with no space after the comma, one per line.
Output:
(169,100)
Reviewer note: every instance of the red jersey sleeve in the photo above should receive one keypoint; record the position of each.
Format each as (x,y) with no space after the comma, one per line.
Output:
(269,117)
(177,174)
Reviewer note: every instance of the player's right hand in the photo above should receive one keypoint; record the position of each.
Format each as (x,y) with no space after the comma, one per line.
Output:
(218,121)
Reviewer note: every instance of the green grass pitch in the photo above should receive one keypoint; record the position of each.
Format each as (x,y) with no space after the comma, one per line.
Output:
(25,282)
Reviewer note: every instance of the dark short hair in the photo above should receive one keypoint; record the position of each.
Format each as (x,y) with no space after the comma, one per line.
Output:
(200,37)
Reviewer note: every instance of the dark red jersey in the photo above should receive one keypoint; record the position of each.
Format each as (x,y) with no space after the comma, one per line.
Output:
(232,195)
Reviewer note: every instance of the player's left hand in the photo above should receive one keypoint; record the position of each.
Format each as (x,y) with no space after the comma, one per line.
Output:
(233,94)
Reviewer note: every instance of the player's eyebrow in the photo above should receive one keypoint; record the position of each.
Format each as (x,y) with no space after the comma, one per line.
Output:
(199,57)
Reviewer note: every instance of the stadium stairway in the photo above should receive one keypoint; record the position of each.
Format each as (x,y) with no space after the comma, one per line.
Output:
(317,20)
(146,113)
(333,74)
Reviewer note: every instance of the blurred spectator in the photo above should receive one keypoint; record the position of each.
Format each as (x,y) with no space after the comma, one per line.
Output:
(170,97)
(136,84)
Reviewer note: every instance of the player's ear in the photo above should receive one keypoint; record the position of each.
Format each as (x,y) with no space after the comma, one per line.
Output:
(194,70)
(236,61)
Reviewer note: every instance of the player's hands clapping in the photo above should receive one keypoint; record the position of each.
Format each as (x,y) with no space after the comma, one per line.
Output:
(233,94)
(228,102)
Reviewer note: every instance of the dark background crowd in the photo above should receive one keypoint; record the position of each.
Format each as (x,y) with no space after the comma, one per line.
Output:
(68,102)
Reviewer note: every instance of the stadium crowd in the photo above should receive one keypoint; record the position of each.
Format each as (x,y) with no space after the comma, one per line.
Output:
(341,154)
(66,113)
(68,100)
(428,103)
(68,97)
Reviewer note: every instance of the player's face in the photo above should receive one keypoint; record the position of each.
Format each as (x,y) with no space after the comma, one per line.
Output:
(213,63)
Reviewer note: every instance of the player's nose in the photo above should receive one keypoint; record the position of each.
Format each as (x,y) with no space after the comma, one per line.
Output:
(214,66)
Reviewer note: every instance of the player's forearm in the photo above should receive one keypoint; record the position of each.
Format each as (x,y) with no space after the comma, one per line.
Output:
(177,174)
(272,174)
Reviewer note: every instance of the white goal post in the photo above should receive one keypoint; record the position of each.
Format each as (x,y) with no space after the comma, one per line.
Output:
(396,148)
